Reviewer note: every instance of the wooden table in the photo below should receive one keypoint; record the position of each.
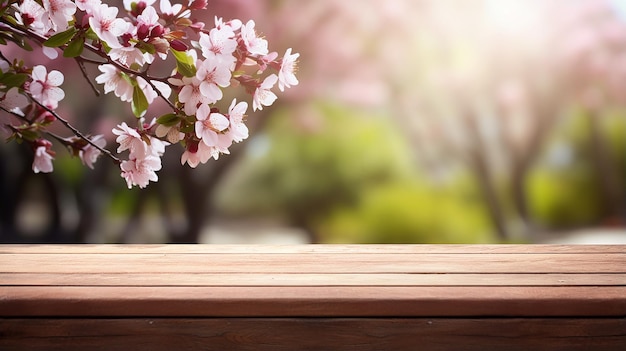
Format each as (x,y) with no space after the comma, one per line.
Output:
(312,297)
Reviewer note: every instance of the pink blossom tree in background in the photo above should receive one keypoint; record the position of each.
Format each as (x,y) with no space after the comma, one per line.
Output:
(480,85)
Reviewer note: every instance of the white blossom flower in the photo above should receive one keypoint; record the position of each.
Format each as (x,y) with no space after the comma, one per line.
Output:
(107,26)
(130,139)
(89,154)
(237,130)
(219,45)
(212,76)
(254,44)
(114,81)
(190,94)
(286,76)
(263,96)
(209,124)
(168,9)
(88,5)
(31,14)
(42,162)
(60,13)
(140,171)
(45,86)
(127,55)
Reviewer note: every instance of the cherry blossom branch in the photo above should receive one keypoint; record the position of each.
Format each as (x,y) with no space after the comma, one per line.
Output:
(83,70)
(124,49)
(77,133)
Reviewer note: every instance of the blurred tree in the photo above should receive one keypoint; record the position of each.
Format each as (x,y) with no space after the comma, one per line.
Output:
(316,161)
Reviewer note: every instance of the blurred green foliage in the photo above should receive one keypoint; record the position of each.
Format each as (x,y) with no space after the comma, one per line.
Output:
(563,187)
(412,212)
(306,165)
(348,176)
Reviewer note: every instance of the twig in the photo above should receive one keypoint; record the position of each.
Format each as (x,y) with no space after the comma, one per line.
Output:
(77,132)
(81,65)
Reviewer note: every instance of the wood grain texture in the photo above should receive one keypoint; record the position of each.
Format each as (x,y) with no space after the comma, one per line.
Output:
(378,301)
(314,263)
(303,249)
(306,279)
(312,297)
(290,334)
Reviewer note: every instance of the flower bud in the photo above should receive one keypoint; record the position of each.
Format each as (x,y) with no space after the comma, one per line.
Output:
(160,45)
(178,45)
(198,4)
(143,31)
(157,31)
(48,117)
(136,8)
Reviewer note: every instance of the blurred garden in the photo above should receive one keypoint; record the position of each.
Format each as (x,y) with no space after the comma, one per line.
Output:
(425,121)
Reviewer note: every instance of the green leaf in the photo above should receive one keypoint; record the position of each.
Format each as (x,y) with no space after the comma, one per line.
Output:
(184,63)
(28,134)
(60,38)
(146,47)
(139,103)
(168,120)
(11,80)
(74,48)
(17,39)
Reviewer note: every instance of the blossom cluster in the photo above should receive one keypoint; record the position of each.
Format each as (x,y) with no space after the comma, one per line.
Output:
(125,44)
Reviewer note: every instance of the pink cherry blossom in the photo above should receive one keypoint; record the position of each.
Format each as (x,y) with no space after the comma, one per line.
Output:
(233,24)
(208,125)
(198,152)
(254,44)
(212,76)
(31,14)
(219,45)
(87,5)
(190,94)
(286,76)
(237,130)
(224,141)
(45,86)
(89,154)
(127,55)
(170,10)
(130,139)
(114,81)
(107,26)
(42,161)
(263,96)
(140,171)
(191,156)
(60,13)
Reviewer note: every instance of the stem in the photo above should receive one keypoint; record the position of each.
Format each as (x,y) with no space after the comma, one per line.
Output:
(77,132)
(81,65)
(57,137)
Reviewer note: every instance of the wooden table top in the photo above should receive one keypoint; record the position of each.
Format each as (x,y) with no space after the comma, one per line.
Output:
(312,281)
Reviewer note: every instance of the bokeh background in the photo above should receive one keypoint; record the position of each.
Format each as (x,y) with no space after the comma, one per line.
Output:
(438,121)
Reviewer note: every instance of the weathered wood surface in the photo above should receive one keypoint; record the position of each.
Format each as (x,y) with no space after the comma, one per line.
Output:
(289,334)
(315,297)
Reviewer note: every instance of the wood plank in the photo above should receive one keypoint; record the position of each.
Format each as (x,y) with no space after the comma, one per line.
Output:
(313,334)
(349,279)
(300,249)
(313,301)
(313,263)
